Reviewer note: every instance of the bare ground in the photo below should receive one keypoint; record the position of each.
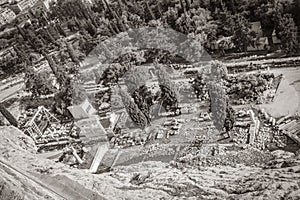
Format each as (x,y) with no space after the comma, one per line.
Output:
(287,99)
(157,180)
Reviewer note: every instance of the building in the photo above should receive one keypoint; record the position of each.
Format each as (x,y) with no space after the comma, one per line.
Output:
(6,16)
(23,18)
(23,5)
(2,2)
(42,6)
(7,52)
(256,28)
(47,3)
(82,111)
(91,129)
(259,42)
(88,2)
(224,43)
(275,39)
(39,7)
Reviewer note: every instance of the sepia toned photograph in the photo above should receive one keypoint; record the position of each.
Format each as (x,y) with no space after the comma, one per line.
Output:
(149,99)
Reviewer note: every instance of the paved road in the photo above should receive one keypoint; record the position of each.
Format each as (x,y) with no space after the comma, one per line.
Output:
(29,180)
(58,187)
(10,92)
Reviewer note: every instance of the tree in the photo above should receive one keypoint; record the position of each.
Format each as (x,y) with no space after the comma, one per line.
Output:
(133,111)
(169,93)
(86,43)
(240,29)
(58,72)
(22,55)
(135,81)
(269,13)
(217,104)
(295,11)
(79,93)
(39,83)
(288,34)
(3,43)
(136,78)
(72,53)
(112,74)
(60,29)
(199,23)
(230,117)
(218,71)
(63,99)
(91,29)
(151,14)
(48,36)
(51,63)
(199,85)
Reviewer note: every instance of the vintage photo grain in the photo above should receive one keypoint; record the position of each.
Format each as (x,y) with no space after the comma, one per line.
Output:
(149,99)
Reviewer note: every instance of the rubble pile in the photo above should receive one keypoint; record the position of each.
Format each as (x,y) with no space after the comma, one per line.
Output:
(240,135)
(241,132)
(263,137)
(73,155)
(153,150)
(269,132)
(279,139)
(128,139)
(219,155)
(277,129)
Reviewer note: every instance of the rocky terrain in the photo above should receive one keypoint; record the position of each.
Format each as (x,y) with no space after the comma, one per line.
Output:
(275,178)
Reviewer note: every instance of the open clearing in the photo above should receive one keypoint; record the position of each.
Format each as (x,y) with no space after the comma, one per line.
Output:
(287,99)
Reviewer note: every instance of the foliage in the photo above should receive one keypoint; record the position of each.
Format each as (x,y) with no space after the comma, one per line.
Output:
(144,100)
(230,117)
(199,85)
(248,86)
(79,94)
(133,111)
(240,30)
(197,21)
(217,104)
(39,83)
(72,53)
(135,81)
(64,98)
(169,93)
(136,78)
(218,71)
(112,74)
(288,33)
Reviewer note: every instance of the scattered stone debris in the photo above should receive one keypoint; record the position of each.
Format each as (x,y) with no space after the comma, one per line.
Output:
(139,179)
(73,154)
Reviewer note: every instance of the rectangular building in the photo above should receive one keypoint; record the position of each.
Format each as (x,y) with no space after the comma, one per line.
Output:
(23,5)
(6,16)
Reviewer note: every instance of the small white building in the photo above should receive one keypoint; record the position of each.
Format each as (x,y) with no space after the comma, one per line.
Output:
(83,110)
(6,16)
(23,5)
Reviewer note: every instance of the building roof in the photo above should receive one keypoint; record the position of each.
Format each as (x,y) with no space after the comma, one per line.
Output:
(256,28)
